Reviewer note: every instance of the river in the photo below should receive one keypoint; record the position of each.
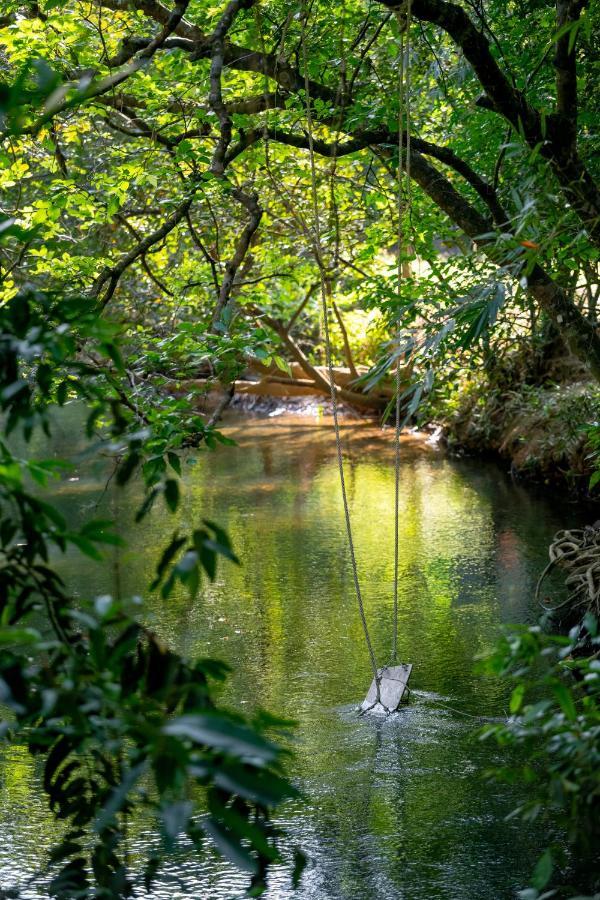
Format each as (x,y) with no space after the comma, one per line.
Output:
(395,809)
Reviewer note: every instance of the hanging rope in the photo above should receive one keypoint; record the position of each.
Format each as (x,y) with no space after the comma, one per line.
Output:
(403,106)
(403,210)
(328,355)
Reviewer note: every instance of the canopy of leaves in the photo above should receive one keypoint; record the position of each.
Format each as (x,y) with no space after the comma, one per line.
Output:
(169,166)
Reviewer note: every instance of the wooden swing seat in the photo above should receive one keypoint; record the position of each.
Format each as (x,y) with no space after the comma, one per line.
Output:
(393,689)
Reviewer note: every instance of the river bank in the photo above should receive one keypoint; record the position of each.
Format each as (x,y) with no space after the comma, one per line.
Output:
(542,432)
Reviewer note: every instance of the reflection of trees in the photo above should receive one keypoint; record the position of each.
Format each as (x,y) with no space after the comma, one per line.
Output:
(384,800)
(25,823)
(292,601)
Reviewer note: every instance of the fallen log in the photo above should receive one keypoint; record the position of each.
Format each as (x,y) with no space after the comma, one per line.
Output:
(271,386)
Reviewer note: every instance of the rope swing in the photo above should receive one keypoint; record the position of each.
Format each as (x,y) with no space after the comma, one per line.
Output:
(403,106)
(390,682)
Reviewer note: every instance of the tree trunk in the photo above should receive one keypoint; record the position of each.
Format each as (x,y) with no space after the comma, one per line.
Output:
(579,333)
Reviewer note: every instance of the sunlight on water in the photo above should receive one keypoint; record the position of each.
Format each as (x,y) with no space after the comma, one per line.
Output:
(396,809)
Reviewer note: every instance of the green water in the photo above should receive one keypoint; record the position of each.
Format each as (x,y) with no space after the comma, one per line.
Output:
(396,809)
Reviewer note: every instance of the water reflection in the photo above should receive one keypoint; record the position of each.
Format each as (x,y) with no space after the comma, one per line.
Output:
(396,809)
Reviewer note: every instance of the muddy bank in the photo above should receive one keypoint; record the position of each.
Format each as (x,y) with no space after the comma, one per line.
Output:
(541,432)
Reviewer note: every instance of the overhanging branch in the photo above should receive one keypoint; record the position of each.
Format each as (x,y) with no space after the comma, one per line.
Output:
(554,141)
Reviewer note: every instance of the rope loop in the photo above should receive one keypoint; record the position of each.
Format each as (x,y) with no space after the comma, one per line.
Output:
(325,284)
(576,552)
(404,22)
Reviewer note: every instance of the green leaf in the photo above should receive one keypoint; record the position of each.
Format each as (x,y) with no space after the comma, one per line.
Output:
(112,350)
(10,474)
(206,555)
(565,699)
(188,571)
(169,553)
(243,829)
(96,530)
(230,847)
(151,870)
(222,543)
(265,789)
(516,698)
(175,818)
(172,494)
(147,504)
(300,862)
(64,850)
(128,467)
(59,752)
(174,462)
(52,513)
(118,796)
(25,636)
(543,870)
(87,547)
(220,733)
(71,881)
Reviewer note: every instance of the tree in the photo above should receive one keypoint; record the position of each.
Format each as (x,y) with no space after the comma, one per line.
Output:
(160,236)
(175,151)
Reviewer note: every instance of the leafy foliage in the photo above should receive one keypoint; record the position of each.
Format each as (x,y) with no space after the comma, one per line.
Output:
(118,164)
(123,723)
(125,726)
(555,727)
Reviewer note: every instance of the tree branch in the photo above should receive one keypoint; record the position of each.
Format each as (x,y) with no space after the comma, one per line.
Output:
(62,101)
(381,137)
(553,141)
(579,333)
(200,46)
(310,293)
(207,256)
(250,202)
(454,20)
(215,99)
(196,440)
(347,348)
(568,13)
(110,275)
(154,278)
(353,397)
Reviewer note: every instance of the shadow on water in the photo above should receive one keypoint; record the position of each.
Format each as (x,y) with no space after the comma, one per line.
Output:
(396,809)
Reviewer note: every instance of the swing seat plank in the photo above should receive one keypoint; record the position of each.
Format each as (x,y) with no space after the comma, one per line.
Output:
(393,686)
